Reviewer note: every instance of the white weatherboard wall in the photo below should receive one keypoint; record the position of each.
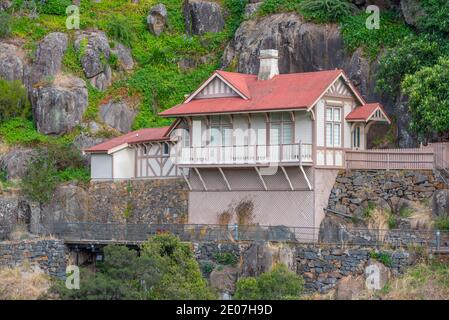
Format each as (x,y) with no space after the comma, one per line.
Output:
(101,166)
(303,127)
(123,164)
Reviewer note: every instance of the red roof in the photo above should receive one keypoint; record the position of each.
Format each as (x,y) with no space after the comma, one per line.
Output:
(364,112)
(142,135)
(284,91)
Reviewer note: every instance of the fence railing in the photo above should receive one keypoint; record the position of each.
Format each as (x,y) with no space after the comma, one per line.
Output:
(82,232)
(413,158)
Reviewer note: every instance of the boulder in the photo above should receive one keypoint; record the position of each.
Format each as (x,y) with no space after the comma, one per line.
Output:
(95,49)
(251,9)
(12,65)
(440,203)
(59,107)
(350,288)
(157,19)
(412,11)
(15,162)
(203,16)
(48,59)
(262,257)
(69,203)
(13,210)
(118,115)
(124,56)
(224,279)
(5,4)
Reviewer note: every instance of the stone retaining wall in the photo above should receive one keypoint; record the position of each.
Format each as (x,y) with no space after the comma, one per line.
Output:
(354,189)
(48,254)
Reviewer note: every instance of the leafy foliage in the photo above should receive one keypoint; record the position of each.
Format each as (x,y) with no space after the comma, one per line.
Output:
(278,284)
(325,10)
(5,25)
(436,18)
(226,258)
(13,100)
(119,29)
(383,257)
(57,162)
(428,92)
(442,223)
(356,35)
(165,269)
(21,131)
(410,55)
(274,6)
(56,7)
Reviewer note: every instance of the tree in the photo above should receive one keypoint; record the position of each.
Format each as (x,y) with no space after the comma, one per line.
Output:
(428,92)
(165,269)
(409,56)
(278,284)
(13,100)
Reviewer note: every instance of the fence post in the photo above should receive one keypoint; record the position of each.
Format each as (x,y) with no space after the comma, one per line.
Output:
(236,231)
(340,236)
(438,238)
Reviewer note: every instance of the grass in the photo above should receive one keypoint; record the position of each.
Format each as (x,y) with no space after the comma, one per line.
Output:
(23,284)
(442,223)
(425,281)
(368,211)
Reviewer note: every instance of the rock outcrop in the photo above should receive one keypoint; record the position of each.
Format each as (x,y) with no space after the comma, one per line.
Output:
(157,19)
(59,107)
(412,11)
(203,16)
(48,59)
(118,115)
(124,56)
(15,162)
(440,203)
(5,4)
(95,52)
(12,64)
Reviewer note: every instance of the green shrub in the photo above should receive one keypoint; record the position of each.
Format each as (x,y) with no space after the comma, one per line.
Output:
(368,211)
(119,28)
(274,6)
(278,284)
(165,269)
(392,222)
(383,257)
(356,35)
(74,174)
(21,131)
(13,100)
(442,223)
(226,258)
(428,92)
(325,10)
(56,7)
(5,25)
(41,180)
(436,18)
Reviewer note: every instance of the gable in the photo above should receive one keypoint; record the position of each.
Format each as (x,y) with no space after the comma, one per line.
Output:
(339,88)
(216,88)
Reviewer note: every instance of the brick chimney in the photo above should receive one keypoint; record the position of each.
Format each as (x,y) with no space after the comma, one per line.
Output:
(268,64)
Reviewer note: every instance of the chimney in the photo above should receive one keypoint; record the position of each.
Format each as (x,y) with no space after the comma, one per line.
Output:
(268,64)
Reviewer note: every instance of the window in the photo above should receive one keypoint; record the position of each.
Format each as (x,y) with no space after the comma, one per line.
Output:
(281,128)
(333,127)
(221,131)
(356,137)
(165,149)
(185,138)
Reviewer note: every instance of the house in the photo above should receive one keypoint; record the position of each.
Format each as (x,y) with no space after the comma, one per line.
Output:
(276,140)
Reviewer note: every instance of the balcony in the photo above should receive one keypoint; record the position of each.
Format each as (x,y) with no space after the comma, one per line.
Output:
(297,154)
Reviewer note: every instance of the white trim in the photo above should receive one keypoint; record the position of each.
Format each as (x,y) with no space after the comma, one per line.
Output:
(288,179)
(383,113)
(261,179)
(201,178)
(212,77)
(225,179)
(305,177)
(347,82)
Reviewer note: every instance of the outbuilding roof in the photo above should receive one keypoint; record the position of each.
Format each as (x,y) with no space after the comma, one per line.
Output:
(138,136)
(282,92)
(366,112)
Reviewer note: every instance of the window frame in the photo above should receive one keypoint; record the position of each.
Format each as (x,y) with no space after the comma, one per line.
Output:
(285,119)
(333,123)
(224,123)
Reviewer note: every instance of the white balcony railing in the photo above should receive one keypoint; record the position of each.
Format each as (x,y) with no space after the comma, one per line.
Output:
(252,154)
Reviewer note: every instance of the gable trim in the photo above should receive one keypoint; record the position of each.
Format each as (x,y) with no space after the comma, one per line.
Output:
(215,75)
(378,108)
(347,82)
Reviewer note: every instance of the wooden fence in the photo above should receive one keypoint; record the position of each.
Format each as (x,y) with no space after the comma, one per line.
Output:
(412,158)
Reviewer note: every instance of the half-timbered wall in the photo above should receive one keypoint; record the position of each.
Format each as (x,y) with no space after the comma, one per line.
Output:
(155,160)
